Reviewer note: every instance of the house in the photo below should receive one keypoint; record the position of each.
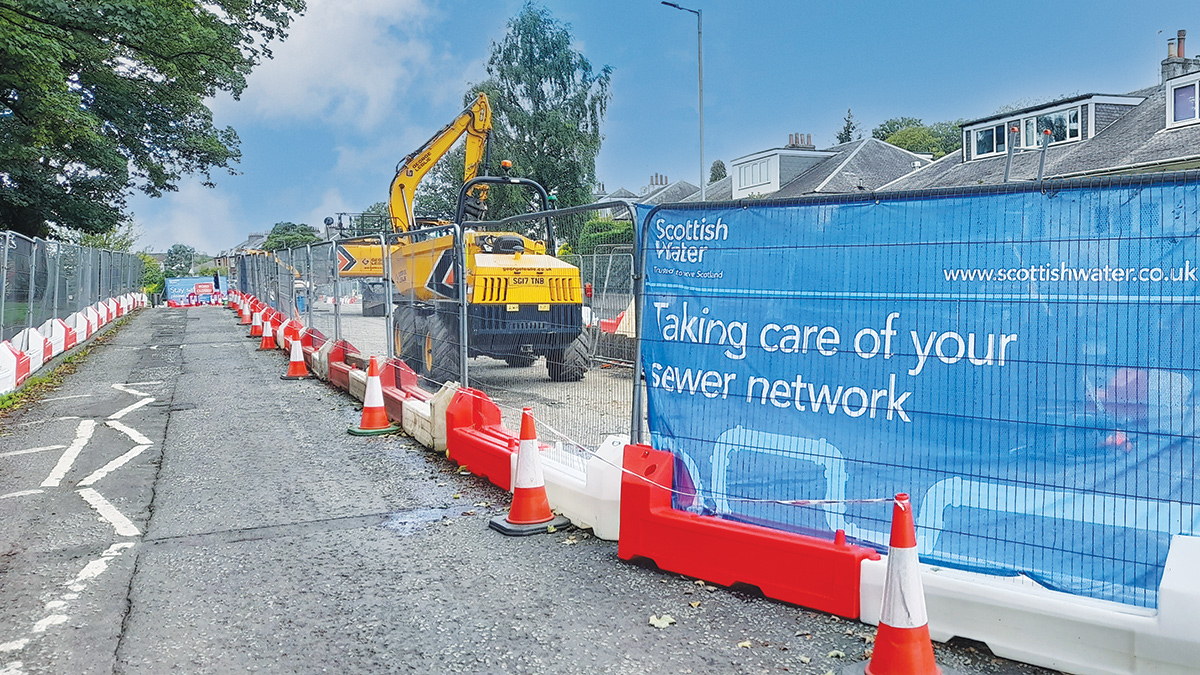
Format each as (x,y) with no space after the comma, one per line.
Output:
(1148,130)
(799,168)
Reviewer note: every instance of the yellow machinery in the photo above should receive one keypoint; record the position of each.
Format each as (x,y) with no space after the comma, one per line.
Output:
(521,301)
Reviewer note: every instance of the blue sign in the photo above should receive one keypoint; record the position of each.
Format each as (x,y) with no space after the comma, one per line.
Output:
(196,290)
(1023,363)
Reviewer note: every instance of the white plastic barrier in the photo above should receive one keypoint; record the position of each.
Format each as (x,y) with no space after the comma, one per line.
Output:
(79,323)
(587,490)
(426,420)
(34,345)
(101,315)
(1019,619)
(357,383)
(320,367)
(111,305)
(8,367)
(54,331)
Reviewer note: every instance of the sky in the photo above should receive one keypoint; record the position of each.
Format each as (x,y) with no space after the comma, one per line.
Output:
(359,84)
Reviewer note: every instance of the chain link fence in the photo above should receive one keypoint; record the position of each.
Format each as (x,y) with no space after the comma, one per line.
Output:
(42,280)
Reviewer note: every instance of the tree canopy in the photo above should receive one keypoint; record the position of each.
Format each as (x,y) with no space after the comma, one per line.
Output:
(547,107)
(849,129)
(888,127)
(717,171)
(100,97)
(179,261)
(289,235)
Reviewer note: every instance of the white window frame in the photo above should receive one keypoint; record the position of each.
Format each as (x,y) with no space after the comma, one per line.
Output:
(746,177)
(1037,140)
(1192,80)
(999,133)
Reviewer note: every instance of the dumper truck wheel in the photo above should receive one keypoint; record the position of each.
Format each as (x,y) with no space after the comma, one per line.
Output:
(568,364)
(441,354)
(408,337)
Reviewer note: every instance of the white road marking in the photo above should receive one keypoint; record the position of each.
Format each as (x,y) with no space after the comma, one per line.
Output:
(112,466)
(22,493)
(96,567)
(55,604)
(107,511)
(82,435)
(70,596)
(26,452)
(143,384)
(52,620)
(64,398)
(129,390)
(14,645)
(128,409)
(133,434)
(12,668)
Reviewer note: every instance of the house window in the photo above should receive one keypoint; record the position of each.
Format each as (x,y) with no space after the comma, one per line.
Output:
(1063,126)
(1182,105)
(990,140)
(753,174)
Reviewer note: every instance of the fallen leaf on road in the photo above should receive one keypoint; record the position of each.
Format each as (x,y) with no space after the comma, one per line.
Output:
(745,644)
(805,659)
(695,604)
(661,622)
(835,654)
(570,540)
(551,529)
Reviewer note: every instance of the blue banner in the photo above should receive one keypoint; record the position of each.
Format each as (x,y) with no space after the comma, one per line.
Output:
(196,290)
(1023,363)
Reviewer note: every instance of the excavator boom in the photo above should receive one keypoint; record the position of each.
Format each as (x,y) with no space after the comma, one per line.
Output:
(476,123)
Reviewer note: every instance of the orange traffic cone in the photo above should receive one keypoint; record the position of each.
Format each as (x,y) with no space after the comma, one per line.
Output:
(530,511)
(902,644)
(374,417)
(297,368)
(256,325)
(268,336)
(244,313)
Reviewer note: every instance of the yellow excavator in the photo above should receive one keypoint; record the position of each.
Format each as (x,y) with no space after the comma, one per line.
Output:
(521,301)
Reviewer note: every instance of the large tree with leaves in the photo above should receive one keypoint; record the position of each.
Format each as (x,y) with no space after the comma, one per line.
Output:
(179,261)
(100,97)
(548,105)
(289,235)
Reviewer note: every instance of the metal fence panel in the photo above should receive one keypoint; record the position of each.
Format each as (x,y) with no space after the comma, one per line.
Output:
(1022,361)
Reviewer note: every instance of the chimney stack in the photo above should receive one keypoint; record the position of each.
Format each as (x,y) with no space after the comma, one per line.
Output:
(1177,64)
(1182,54)
(1171,52)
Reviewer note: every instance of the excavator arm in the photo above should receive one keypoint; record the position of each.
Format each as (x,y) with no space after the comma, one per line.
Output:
(476,123)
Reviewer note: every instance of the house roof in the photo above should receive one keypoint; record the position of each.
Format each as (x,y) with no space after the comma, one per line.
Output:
(1138,139)
(668,194)
(720,190)
(857,166)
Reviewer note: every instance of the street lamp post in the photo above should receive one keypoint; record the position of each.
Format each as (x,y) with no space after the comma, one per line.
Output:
(700,60)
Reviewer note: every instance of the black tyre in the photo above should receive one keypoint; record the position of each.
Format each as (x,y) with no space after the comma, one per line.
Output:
(408,337)
(568,364)
(441,354)
(519,360)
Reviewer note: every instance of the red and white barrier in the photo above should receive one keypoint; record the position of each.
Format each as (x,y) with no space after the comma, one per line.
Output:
(35,347)
(14,367)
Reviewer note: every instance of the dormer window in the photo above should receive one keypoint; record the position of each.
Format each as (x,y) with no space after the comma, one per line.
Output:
(1063,126)
(753,174)
(990,140)
(1183,107)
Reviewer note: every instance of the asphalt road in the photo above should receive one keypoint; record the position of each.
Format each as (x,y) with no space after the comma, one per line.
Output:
(176,507)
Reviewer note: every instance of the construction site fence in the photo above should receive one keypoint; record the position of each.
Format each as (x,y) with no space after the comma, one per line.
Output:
(1021,359)
(428,329)
(42,280)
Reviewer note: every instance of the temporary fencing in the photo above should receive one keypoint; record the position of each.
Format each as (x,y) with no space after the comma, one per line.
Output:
(54,294)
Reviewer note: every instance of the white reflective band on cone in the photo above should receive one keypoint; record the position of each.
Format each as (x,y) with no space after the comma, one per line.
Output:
(374,396)
(297,352)
(903,597)
(529,466)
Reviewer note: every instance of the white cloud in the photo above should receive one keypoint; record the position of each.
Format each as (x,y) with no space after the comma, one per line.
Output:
(196,216)
(344,60)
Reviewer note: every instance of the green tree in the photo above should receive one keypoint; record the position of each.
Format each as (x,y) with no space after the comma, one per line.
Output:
(602,231)
(949,135)
(437,195)
(100,97)
(716,172)
(889,127)
(121,238)
(179,261)
(849,128)
(548,105)
(152,274)
(289,235)
(916,139)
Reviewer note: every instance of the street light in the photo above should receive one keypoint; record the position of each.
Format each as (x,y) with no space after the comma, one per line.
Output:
(700,60)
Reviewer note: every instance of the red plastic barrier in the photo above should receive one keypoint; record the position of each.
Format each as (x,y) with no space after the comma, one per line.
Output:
(339,370)
(610,325)
(70,338)
(477,438)
(400,384)
(808,571)
(22,362)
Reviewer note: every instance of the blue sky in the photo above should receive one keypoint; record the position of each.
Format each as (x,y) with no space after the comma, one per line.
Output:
(361,83)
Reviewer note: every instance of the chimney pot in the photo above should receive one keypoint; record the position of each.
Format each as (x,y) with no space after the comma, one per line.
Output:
(1171,52)
(1182,34)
